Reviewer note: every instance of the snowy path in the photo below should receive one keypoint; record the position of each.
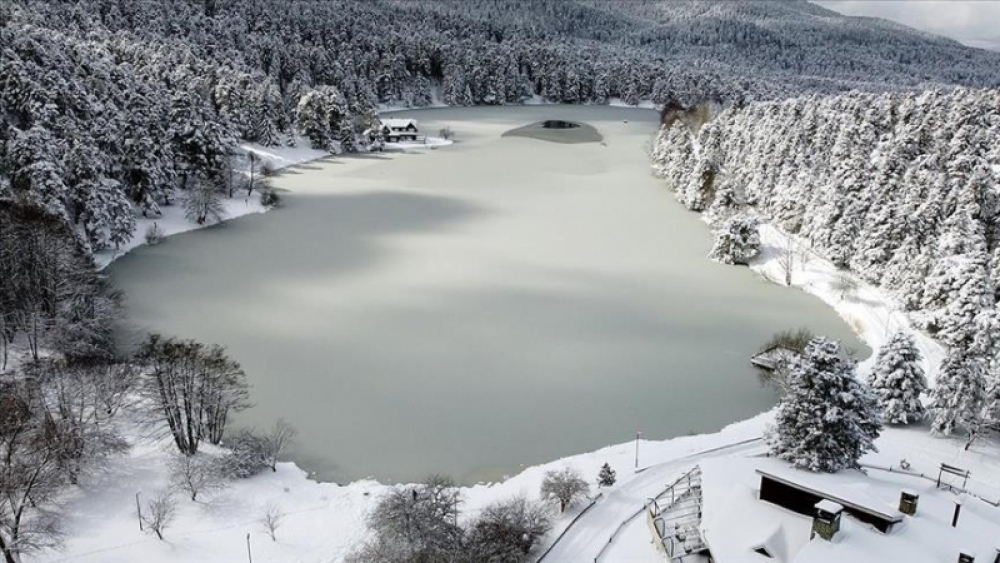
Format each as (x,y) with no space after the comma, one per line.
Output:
(585,539)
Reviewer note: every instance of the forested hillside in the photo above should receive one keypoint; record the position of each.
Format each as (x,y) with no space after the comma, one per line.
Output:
(110,105)
(903,189)
(114,108)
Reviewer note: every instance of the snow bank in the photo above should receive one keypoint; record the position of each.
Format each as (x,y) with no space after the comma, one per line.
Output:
(868,309)
(427,143)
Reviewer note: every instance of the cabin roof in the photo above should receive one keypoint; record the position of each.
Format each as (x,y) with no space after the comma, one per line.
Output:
(390,122)
(736,521)
(843,494)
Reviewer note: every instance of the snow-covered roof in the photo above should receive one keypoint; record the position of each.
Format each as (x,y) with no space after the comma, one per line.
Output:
(403,123)
(843,488)
(736,522)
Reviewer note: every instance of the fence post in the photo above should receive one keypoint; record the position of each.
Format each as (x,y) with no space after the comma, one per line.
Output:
(138,510)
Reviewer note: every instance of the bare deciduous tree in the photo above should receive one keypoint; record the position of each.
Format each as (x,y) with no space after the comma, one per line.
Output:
(788,257)
(160,512)
(193,388)
(843,285)
(195,474)
(422,519)
(271,519)
(277,440)
(30,474)
(566,486)
(202,202)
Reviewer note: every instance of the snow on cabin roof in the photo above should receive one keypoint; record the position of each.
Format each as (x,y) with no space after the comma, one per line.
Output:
(399,122)
(843,488)
(736,522)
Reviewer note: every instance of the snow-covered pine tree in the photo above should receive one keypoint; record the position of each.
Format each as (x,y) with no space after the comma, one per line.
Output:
(737,242)
(606,477)
(319,115)
(828,419)
(958,397)
(991,405)
(898,380)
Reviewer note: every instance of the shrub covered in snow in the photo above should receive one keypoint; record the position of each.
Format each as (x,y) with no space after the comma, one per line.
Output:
(154,234)
(827,419)
(269,197)
(566,486)
(898,380)
(737,241)
(247,454)
(507,532)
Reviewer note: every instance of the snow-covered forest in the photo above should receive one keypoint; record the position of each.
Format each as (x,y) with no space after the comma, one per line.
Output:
(900,188)
(903,189)
(109,106)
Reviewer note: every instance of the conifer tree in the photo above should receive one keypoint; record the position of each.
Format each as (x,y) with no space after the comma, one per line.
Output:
(898,380)
(958,397)
(828,419)
(606,477)
(737,242)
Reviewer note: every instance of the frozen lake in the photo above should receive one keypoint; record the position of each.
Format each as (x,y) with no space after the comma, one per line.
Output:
(477,308)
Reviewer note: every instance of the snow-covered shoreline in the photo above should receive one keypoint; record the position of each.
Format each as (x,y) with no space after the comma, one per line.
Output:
(869,311)
(172,220)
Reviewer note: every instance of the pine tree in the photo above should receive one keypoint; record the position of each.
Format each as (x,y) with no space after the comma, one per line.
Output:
(991,405)
(606,477)
(958,397)
(737,242)
(828,419)
(898,380)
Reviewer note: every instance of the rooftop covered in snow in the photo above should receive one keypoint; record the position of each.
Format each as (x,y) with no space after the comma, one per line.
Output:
(739,527)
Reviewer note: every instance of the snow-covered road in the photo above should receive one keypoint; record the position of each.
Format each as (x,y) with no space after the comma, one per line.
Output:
(592,532)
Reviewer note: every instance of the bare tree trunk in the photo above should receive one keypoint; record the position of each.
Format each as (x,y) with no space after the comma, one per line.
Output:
(8,555)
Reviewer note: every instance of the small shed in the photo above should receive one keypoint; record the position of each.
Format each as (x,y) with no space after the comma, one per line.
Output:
(396,130)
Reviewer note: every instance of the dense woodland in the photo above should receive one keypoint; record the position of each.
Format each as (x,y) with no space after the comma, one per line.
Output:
(109,107)
(902,189)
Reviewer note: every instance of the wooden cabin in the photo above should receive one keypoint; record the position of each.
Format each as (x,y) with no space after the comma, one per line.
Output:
(399,130)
